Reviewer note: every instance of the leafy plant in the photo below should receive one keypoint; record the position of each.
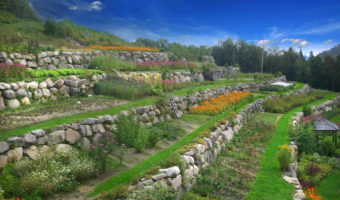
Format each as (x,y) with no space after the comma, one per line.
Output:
(158,192)
(284,156)
(307,110)
(327,147)
(11,71)
(104,149)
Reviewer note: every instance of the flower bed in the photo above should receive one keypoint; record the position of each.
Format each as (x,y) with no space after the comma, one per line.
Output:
(11,71)
(164,64)
(123,48)
(220,103)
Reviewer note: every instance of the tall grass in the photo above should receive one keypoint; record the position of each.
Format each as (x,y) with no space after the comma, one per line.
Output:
(110,63)
(123,89)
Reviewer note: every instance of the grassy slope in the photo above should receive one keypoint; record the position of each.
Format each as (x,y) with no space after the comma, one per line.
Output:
(269,183)
(127,176)
(329,188)
(33,30)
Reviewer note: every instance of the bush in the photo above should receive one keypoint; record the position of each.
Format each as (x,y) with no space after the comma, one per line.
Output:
(284,156)
(328,147)
(121,88)
(1,193)
(130,132)
(153,137)
(111,63)
(306,141)
(11,71)
(50,172)
(286,103)
(276,88)
(307,110)
(158,192)
(121,192)
(101,151)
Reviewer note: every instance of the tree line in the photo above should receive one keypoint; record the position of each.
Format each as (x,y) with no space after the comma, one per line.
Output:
(319,72)
(19,8)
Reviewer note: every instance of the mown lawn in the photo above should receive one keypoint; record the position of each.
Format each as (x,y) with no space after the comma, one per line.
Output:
(269,183)
(329,188)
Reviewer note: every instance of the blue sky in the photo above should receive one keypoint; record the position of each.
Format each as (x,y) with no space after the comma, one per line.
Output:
(310,24)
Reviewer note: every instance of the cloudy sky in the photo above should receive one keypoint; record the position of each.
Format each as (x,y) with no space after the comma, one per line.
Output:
(310,24)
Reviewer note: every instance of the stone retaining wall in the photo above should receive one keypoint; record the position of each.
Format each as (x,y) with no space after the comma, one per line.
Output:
(14,95)
(89,131)
(78,59)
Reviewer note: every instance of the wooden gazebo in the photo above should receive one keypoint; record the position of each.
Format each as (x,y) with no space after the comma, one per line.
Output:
(323,125)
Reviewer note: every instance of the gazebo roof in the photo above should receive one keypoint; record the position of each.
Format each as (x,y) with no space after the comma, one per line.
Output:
(321,124)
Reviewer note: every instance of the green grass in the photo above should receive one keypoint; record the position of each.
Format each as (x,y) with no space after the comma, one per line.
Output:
(127,176)
(269,183)
(267,117)
(329,188)
(69,119)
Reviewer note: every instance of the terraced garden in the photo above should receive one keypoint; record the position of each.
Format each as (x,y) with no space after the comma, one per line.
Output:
(145,134)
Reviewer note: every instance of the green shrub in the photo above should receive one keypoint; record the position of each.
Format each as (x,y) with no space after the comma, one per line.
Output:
(286,103)
(327,147)
(124,89)
(153,137)
(191,196)
(120,192)
(158,192)
(50,172)
(307,110)
(109,63)
(306,141)
(284,156)
(130,132)
(1,193)
(276,88)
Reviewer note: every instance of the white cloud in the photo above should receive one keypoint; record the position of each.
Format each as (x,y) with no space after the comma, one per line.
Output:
(73,7)
(303,43)
(320,29)
(296,41)
(263,42)
(328,41)
(284,40)
(96,5)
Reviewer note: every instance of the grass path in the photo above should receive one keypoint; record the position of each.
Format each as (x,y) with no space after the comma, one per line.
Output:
(329,188)
(269,183)
(127,176)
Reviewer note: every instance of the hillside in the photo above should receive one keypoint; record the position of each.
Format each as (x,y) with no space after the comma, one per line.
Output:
(334,51)
(22,23)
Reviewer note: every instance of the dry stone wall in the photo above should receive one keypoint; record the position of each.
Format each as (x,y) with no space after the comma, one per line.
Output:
(14,95)
(89,131)
(78,59)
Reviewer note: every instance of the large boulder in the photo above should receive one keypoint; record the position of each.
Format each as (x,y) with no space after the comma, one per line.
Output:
(72,136)
(30,139)
(8,94)
(3,147)
(32,152)
(56,137)
(170,172)
(38,133)
(15,155)
(16,141)
(21,93)
(63,148)
(13,103)
(3,161)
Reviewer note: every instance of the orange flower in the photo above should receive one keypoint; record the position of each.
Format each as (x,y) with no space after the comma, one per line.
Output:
(311,193)
(122,48)
(220,103)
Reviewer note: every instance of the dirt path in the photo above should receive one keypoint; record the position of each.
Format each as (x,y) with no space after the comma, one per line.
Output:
(130,159)
(63,108)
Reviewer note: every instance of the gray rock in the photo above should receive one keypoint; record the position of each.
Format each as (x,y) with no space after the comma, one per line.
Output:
(32,85)
(30,139)
(65,90)
(100,128)
(25,101)
(97,139)
(15,155)
(90,121)
(42,85)
(207,142)
(63,148)
(145,183)
(176,182)
(3,147)
(188,159)
(42,140)
(144,117)
(170,172)
(46,92)
(14,86)
(49,83)
(37,93)
(16,141)
(158,177)
(56,137)
(38,133)
(13,103)
(32,152)
(72,136)
(74,91)
(8,94)
(3,161)
(2,104)
(85,144)
(4,86)
(59,83)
